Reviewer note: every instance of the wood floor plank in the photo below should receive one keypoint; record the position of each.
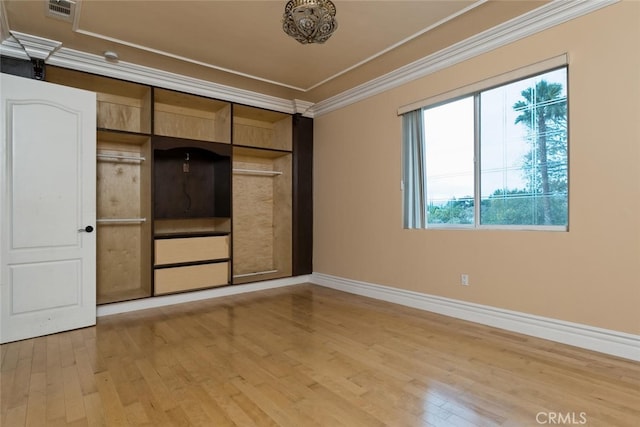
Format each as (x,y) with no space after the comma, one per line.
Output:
(85,371)
(204,407)
(39,360)
(73,397)
(360,398)
(3,352)
(16,416)
(65,343)
(156,386)
(114,412)
(19,394)
(136,415)
(306,356)
(37,403)
(340,408)
(55,381)
(95,411)
(123,372)
(7,379)
(151,407)
(241,411)
(275,413)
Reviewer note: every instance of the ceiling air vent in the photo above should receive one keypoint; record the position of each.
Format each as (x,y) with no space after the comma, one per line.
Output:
(61,9)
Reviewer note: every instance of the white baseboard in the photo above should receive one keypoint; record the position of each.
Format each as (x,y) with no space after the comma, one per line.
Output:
(592,338)
(160,301)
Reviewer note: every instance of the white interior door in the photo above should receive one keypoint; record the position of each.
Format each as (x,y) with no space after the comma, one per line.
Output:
(47,208)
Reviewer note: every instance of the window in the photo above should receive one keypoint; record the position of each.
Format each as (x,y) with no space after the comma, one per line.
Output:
(496,157)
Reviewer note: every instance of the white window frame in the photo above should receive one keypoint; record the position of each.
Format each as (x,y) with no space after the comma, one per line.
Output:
(473,90)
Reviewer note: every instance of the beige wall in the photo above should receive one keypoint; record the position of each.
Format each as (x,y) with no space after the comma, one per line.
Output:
(589,275)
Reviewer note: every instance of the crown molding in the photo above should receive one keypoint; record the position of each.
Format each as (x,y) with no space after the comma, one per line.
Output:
(538,20)
(398,44)
(10,47)
(77,29)
(96,64)
(185,59)
(36,47)
(302,107)
(26,46)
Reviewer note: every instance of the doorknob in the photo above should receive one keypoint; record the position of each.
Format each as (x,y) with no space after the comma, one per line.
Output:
(88,229)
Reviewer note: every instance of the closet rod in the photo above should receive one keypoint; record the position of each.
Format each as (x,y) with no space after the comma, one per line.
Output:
(256,172)
(120,157)
(257,273)
(119,220)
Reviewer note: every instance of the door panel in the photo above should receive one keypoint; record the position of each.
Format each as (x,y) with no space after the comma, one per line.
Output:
(29,226)
(34,280)
(47,260)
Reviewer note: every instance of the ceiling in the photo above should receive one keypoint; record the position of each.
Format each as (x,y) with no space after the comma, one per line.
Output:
(241,43)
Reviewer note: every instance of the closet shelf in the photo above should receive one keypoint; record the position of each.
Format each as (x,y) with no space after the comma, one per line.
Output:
(257,273)
(256,172)
(120,220)
(106,156)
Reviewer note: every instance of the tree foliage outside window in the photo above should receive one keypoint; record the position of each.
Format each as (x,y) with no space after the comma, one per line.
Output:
(505,161)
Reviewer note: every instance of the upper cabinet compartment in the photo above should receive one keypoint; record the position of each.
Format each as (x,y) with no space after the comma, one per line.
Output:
(121,106)
(182,115)
(192,179)
(254,127)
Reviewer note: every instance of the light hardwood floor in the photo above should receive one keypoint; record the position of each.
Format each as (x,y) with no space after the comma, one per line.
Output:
(308,356)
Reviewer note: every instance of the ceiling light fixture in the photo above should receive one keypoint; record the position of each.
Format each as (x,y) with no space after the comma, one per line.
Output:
(310,21)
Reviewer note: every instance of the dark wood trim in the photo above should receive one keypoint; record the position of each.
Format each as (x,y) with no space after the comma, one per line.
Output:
(302,203)
(182,235)
(191,263)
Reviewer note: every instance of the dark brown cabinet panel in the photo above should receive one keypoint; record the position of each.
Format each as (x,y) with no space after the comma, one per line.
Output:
(302,232)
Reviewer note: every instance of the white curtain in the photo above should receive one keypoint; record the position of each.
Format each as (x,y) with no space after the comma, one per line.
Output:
(414,170)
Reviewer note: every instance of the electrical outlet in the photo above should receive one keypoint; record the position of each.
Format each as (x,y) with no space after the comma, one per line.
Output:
(464,279)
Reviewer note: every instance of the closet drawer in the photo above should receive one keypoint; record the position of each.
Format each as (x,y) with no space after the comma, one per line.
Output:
(174,251)
(179,279)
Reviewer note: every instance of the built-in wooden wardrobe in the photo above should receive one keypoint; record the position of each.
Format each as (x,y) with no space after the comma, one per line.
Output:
(194,192)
